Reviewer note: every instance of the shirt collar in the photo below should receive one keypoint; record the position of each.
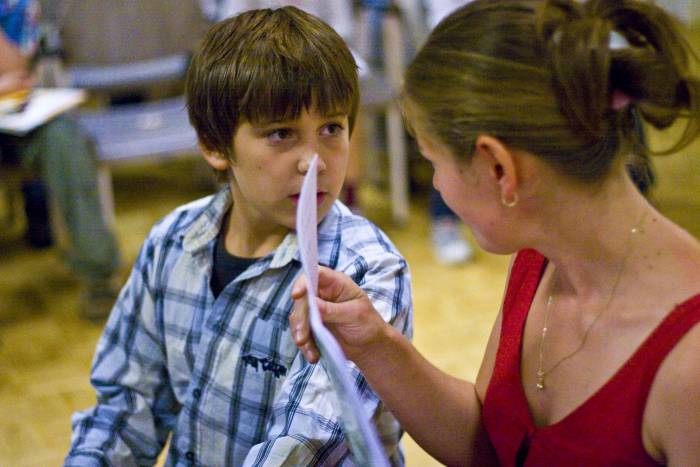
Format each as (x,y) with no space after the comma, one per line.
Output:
(328,236)
(207,225)
(204,230)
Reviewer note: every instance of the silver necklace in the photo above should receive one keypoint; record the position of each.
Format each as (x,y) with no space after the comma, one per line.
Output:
(541,372)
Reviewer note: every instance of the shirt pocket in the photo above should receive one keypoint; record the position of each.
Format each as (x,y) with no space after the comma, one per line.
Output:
(264,363)
(267,350)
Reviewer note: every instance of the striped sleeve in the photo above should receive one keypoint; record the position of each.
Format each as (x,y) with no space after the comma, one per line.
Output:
(129,376)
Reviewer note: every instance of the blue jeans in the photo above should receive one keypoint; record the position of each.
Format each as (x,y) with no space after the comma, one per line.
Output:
(437,207)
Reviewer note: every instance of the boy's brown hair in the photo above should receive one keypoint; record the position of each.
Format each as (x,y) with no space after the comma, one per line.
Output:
(267,65)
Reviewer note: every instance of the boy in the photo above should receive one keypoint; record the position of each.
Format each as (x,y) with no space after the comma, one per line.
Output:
(198,343)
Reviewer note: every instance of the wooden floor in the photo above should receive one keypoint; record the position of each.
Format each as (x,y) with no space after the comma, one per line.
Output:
(45,349)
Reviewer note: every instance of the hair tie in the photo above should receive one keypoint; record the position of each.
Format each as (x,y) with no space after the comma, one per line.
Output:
(619,100)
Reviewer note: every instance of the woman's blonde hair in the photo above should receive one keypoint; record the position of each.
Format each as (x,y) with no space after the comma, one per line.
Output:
(542,76)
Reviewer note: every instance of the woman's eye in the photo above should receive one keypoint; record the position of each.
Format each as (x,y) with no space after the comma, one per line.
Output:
(279,135)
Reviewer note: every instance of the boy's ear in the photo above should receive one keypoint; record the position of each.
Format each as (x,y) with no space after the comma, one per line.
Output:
(214,158)
(502,167)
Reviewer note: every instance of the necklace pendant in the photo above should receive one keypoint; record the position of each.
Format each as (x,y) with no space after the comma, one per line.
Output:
(540,381)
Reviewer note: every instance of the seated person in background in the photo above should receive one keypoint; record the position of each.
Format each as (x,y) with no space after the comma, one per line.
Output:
(448,241)
(198,344)
(449,244)
(60,155)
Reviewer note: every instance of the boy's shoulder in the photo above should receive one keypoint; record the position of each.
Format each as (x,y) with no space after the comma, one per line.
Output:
(179,221)
(353,235)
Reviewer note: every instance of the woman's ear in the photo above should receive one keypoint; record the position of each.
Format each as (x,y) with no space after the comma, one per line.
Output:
(214,158)
(501,166)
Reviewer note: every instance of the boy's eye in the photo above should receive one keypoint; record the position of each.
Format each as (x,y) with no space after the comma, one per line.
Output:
(333,129)
(279,134)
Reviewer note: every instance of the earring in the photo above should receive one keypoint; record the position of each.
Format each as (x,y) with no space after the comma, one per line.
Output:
(512,203)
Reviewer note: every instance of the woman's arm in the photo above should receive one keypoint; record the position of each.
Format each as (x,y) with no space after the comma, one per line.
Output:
(671,426)
(442,413)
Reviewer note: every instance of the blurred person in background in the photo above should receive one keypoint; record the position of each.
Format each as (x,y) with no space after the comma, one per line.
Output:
(58,156)
(449,244)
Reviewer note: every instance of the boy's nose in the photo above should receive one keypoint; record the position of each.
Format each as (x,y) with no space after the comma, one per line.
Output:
(305,162)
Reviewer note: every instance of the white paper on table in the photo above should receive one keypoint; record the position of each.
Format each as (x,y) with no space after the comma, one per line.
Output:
(359,432)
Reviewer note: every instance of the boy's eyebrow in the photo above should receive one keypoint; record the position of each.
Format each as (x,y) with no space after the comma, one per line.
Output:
(267,123)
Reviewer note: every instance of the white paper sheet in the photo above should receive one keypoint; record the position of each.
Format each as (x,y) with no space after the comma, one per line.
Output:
(359,432)
(44,104)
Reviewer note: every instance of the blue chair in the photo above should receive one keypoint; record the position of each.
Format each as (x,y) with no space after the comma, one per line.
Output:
(117,47)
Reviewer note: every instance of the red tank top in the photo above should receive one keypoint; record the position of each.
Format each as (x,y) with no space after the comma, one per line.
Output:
(606,430)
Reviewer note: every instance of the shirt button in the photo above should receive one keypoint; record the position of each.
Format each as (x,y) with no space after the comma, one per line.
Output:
(189,455)
(197,393)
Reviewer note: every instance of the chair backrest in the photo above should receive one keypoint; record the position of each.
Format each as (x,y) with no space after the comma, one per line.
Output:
(129,76)
(134,51)
(100,32)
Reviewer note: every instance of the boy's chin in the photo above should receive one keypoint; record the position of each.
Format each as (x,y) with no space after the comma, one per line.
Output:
(325,207)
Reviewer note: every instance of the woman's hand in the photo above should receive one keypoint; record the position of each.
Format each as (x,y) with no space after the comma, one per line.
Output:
(346,311)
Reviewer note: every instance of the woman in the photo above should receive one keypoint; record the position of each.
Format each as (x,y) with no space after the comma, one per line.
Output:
(525,109)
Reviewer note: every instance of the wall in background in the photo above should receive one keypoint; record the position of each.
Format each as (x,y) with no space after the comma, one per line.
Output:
(687,10)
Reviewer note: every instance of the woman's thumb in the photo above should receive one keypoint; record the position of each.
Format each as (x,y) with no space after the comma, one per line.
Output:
(330,311)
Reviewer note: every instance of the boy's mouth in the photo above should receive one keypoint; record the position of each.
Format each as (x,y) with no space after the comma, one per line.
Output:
(320,196)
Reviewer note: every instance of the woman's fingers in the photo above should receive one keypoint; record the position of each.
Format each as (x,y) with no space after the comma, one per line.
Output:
(311,353)
(337,313)
(336,287)
(333,286)
(344,308)
(299,323)
(299,288)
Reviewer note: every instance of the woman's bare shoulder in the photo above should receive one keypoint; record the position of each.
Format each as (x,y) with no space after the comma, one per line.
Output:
(672,416)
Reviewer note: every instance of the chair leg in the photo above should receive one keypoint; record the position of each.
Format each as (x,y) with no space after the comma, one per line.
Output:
(394,52)
(104,182)
(398,167)
(9,217)
(11,187)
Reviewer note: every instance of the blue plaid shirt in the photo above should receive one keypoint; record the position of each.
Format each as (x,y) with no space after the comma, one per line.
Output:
(223,375)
